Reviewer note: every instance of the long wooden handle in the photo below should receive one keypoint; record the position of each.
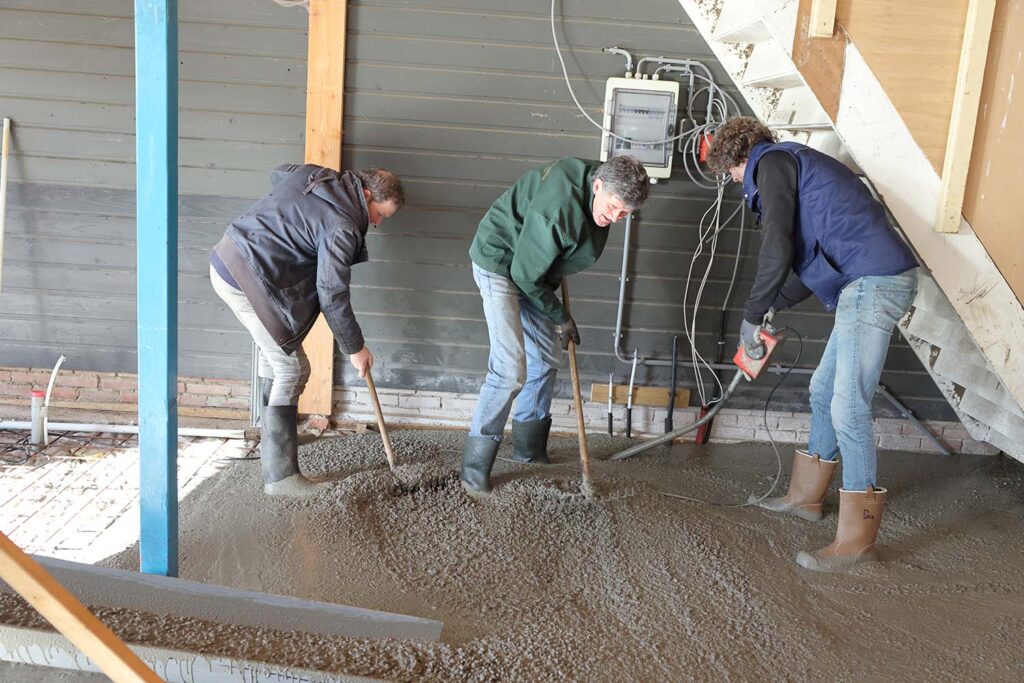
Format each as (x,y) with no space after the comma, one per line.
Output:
(388,450)
(581,427)
(70,617)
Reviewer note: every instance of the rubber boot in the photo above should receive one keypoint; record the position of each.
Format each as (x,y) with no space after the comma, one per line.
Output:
(266,384)
(477,460)
(279,454)
(860,516)
(808,484)
(530,441)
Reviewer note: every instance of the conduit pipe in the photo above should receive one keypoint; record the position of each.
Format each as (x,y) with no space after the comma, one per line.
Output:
(125,429)
(662,362)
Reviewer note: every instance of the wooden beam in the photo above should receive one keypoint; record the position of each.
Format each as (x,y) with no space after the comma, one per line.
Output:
(70,617)
(823,18)
(325,82)
(642,396)
(964,117)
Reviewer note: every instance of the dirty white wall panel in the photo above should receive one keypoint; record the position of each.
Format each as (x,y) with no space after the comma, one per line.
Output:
(459,97)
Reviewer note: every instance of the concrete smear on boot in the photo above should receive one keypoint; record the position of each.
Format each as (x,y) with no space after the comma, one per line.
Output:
(538,583)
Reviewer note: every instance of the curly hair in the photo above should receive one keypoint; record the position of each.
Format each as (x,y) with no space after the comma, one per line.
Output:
(733,141)
(626,177)
(383,186)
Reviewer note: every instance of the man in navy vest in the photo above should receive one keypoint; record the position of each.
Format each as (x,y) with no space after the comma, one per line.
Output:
(819,221)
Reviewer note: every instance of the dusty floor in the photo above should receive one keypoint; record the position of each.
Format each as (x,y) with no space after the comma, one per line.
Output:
(538,584)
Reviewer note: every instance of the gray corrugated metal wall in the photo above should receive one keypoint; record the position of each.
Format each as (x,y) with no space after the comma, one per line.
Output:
(66,80)
(457,96)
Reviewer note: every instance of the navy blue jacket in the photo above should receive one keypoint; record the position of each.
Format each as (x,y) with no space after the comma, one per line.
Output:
(840,231)
(292,253)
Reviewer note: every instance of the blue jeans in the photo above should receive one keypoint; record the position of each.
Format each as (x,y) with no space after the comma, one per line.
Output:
(847,376)
(524,357)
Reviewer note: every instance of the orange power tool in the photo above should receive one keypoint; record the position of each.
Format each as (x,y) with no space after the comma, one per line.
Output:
(753,358)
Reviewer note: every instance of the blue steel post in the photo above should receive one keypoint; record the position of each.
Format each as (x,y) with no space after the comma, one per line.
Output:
(156,151)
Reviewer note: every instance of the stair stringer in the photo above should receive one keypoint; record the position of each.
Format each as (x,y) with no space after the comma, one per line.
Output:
(984,317)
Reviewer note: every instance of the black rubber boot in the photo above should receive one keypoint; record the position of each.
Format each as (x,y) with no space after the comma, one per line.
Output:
(266,384)
(279,454)
(477,460)
(530,441)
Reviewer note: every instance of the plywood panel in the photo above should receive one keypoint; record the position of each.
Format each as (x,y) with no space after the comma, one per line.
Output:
(820,60)
(913,47)
(993,181)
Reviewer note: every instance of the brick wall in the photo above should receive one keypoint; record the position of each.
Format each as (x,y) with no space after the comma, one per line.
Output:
(117,392)
(229,399)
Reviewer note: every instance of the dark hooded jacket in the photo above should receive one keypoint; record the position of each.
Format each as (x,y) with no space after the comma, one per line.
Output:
(292,253)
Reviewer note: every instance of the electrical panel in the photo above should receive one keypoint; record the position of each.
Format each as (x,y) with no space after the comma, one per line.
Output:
(639,111)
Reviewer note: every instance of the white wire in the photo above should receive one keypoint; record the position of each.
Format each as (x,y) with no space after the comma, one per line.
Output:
(717,109)
(572,93)
(706,228)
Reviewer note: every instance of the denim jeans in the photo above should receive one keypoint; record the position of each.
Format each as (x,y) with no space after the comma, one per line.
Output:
(524,357)
(290,371)
(847,376)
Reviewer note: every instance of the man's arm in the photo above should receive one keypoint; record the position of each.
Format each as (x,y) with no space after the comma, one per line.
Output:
(792,293)
(776,183)
(537,250)
(335,254)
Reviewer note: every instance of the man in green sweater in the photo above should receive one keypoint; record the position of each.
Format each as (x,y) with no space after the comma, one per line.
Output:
(551,223)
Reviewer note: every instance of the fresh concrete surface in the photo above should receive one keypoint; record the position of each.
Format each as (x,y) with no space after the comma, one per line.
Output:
(538,583)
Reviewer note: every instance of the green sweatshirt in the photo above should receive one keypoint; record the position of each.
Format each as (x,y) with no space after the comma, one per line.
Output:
(541,230)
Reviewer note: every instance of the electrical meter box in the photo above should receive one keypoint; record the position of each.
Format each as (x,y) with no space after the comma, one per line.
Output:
(640,110)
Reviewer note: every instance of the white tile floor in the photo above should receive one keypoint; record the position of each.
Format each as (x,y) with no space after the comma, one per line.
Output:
(78,499)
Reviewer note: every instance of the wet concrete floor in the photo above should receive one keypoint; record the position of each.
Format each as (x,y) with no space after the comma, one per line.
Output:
(539,583)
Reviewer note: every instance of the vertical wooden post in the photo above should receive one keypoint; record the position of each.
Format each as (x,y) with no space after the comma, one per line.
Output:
(964,118)
(325,80)
(156,191)
(70,617)
(823,19)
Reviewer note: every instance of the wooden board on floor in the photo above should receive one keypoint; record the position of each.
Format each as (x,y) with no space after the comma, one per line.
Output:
(642,396)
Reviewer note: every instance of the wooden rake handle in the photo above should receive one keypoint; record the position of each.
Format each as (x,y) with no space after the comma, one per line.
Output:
(581,429)
(70,617)
(388,450)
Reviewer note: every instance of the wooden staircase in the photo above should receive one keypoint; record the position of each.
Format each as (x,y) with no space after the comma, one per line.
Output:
(966,322)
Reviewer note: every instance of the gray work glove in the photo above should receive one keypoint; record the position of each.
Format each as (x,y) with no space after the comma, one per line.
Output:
(569,332)
(747,334)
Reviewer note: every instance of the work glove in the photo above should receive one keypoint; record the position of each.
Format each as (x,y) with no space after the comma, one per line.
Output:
(747,334)
(568,332)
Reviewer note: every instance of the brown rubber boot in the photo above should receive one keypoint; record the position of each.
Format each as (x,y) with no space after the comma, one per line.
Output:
(860,515)
(807,487)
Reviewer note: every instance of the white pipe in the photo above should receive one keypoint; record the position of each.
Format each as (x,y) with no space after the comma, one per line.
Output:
(3,190)
(126,429)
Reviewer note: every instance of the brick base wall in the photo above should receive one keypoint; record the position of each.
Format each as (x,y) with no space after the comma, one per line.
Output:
(229,399)
(117,392)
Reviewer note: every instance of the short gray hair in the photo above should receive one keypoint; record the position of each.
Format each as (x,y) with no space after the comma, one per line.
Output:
(384,186)
(626,177)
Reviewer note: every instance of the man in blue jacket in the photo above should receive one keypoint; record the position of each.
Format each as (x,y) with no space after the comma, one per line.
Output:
(282,263)
(819,221)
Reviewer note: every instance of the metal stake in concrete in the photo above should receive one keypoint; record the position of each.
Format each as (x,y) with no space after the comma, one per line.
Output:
(156,150)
